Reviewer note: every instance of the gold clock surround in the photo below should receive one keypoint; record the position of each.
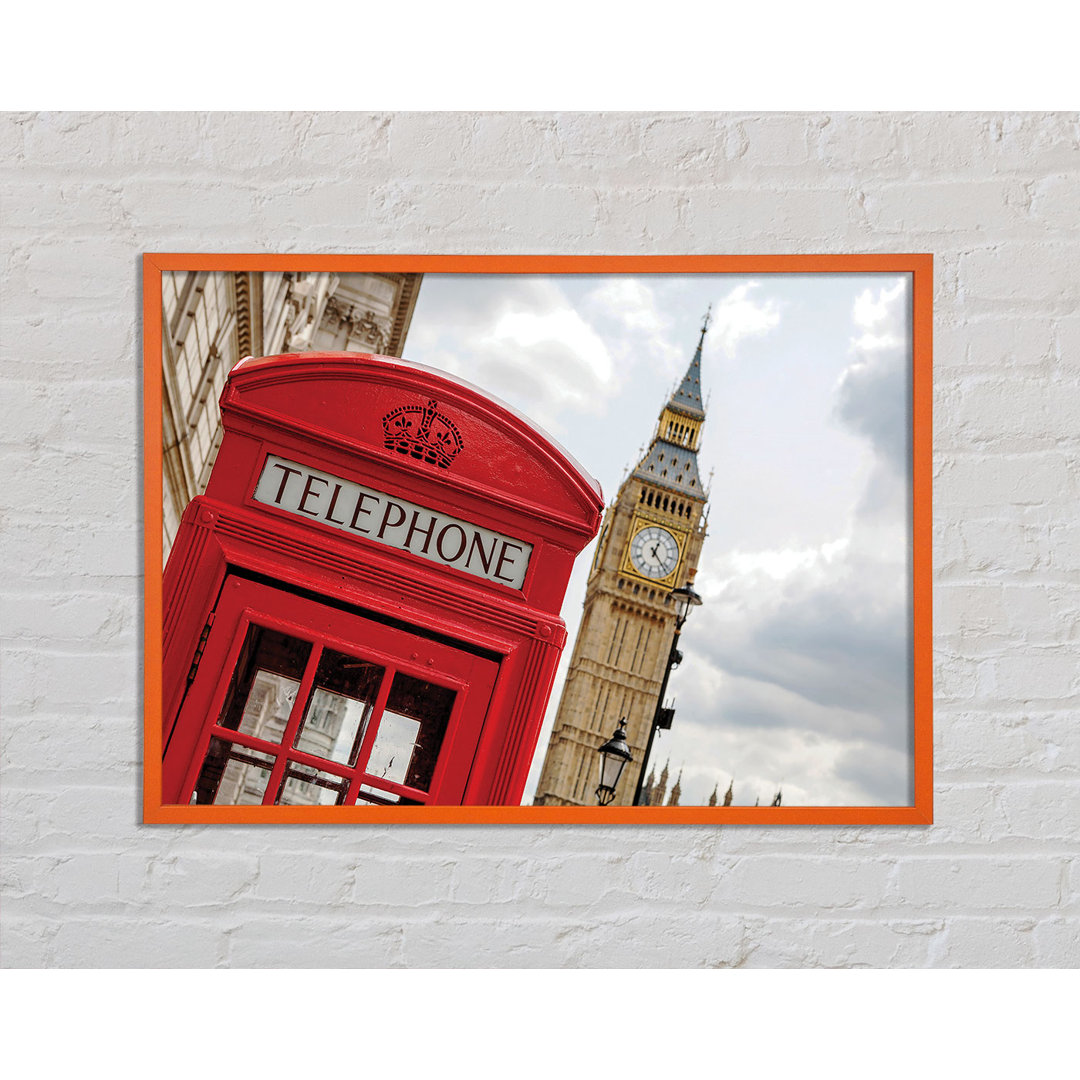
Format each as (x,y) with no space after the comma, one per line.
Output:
(644,521)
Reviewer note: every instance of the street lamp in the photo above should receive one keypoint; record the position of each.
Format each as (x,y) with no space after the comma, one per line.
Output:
(614,755)
(685,598)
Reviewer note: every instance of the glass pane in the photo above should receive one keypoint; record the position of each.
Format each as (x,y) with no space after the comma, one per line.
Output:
(368,794)
(266,711)
(265,683)
(411,732)
(232,775)
(338,711)
(303,786)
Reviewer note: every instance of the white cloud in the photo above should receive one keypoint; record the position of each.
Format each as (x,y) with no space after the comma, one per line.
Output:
(873,394)
(777,564)
(526,344)
(738,315)
(637,332)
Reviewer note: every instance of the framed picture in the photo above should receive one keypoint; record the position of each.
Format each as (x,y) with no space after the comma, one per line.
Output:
(537,539)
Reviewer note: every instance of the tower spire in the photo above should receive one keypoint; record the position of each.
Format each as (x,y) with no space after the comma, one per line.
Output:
(688,396)
(671,460)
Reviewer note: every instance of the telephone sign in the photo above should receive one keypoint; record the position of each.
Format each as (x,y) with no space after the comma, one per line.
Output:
(396,522)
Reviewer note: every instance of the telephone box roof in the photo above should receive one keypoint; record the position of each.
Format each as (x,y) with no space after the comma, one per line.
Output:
(252,372)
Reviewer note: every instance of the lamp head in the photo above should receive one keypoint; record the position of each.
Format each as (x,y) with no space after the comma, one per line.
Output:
(685,598)
(614,755)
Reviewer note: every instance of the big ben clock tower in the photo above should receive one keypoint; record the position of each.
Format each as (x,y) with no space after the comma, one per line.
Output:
(650,543)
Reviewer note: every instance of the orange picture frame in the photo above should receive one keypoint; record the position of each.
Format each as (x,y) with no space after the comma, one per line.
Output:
(918,265)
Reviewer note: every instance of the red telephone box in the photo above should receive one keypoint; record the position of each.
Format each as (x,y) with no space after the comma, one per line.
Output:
(364,606)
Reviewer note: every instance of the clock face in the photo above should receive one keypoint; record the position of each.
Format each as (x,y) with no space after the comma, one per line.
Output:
(654,552)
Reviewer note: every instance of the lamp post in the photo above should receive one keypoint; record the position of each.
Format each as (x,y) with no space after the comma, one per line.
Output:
(614,755)
(685,598)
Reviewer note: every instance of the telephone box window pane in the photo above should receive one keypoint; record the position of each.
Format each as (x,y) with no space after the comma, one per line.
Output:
(264,684)
(269,703)
(303,786)
(338,711)
(411,732)
(232,775)
(369,794)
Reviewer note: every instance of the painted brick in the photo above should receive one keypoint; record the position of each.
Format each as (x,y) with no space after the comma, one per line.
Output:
(95,617)
(1056,942)
(1015,274)
(580,880)
(193,881)
(996,943)
(1023,414)
(713,940)
(757,216)
(40,203)
(88,340)
(1006,740)
(951,206)
(840,943)
(77,268)
(1022,479)
(1001,345)
(1038,675)
(511,941)
(340,940)
(574,207)
(1044,809)
(171,207)
(977,144)
(326,144)
(775,141)
(68,679)
(71,140)
(91,483)
(1066,333)
(443,143)
(60,743)
(877,144)
(139,942)
(328,882)
(977,883)
(1054,200)
(95,551)
(795,881)
(971,609)
(679,145)
(26,943)
(507,881)
(403,883)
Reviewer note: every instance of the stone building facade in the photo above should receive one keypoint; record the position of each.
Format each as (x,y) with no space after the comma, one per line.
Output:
(213,319)
(650,543)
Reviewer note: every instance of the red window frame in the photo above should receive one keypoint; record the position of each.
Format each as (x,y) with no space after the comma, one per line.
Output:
(243,603)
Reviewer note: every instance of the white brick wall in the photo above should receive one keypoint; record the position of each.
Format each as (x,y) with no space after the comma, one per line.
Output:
(994,883)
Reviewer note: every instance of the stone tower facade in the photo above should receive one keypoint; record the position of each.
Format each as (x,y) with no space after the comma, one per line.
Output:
(650,543)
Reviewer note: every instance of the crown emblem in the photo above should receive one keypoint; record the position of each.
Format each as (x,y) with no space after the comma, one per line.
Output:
(422,432)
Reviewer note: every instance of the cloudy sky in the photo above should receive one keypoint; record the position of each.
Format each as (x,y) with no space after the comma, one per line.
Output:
(797,665)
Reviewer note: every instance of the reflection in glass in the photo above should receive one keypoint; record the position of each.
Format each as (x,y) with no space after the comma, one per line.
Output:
(232,775)
(338,711)
(302,785)
(411,732)
(264,684)
(266,711)
(368,794)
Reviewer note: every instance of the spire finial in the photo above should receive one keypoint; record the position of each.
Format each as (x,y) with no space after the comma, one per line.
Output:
(705,324)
